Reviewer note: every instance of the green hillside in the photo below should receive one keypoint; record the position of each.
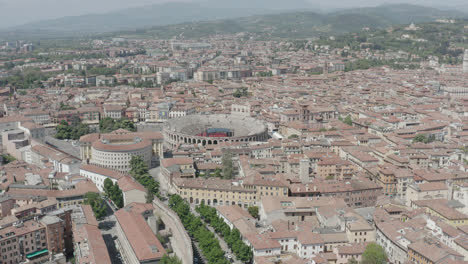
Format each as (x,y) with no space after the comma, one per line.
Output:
(305,24)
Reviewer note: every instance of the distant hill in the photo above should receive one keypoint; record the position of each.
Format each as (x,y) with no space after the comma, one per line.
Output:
(161,14)
(153,15)
(305,24)
(198,20)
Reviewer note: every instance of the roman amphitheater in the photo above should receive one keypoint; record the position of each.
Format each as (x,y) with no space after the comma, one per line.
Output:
(213,129)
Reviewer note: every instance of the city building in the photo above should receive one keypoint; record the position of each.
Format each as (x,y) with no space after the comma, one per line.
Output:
(137,240)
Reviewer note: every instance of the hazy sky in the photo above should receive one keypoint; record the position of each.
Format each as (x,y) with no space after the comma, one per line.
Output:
(16,12)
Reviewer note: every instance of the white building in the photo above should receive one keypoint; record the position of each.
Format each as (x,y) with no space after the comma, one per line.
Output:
(426,191)
(239,109)
(309,244)
(98,175)
(460,193)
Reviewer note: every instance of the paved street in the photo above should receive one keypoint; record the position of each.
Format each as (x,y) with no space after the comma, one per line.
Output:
(163,188)
(109,234)
(222,243)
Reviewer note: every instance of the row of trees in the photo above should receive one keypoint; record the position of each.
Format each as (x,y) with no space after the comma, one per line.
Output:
(207,241)
(102,71)
(113,191)
(139,170)
(232,237)
(27,79)
(74,131)
(97,204)
(265,74)
(424,138)
(108,124)
(166,259)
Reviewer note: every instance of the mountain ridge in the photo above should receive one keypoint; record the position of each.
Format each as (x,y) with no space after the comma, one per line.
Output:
(158,18)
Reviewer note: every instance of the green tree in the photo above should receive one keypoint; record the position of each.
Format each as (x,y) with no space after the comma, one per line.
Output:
(374,254)
(139,170)
(114,192)
(420,138)
(7,158)
(116,195)
(424,138)
(265,74)
(65,131)
(352,261)
(231,237)
(108,124)
(102,71)
(293,136)
(217,173)
(138,167)
(253,211)
(242,92)
(9,65)
(96,203)
(108,186)
(348,120)
(208,243)
(149,196)
(227,163)
(65,107)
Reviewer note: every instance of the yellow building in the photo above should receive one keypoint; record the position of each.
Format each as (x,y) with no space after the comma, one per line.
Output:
(335,168)
(431,252)
(386,178)
(441,208)
(214,191)
(266,185)
(360,232)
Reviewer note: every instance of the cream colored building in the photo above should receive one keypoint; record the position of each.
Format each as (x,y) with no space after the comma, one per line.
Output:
(98,175)
(266,186)
(115,150)
(360,232)
(117,156)
(214,191)
(133,192)
(426,191)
